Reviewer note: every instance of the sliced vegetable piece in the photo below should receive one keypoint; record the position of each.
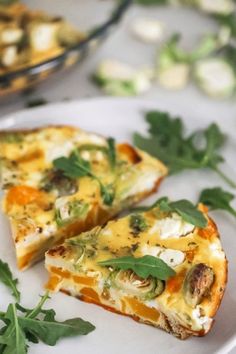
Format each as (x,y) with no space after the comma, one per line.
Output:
(120,79)
(173,65)
(67,211)
(197,283)
(223,7)
(132,284)
(148,30)
(215,77)
(57,181)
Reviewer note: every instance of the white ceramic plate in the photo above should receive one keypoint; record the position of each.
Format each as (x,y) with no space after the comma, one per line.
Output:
(114,333)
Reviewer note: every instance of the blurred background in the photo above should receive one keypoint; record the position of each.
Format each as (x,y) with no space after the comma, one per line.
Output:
(155,49)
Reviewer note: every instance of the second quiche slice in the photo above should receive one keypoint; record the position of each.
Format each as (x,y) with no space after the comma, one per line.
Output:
(98,267)
(60,181)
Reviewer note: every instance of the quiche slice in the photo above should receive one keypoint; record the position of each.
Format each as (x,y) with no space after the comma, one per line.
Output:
(184,304)
(59,181)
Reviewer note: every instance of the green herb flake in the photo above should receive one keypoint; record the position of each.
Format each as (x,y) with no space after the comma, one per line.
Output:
(168,142)
(137,223)
(6,278)
(144,266)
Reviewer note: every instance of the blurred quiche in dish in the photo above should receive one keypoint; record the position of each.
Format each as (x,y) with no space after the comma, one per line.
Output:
(154,266)
(28,37)
(59,181)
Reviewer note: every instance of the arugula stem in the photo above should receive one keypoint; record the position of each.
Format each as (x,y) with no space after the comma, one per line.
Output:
(224,177)
(37,309)
(16,325)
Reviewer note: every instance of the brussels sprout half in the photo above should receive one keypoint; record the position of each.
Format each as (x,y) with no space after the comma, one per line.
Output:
(132,284)
(197,283)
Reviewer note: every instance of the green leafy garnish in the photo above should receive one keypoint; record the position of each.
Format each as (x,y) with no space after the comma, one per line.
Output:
(227,21)
(137,223)
(144,266)
(22,325)
(183,207)
(111,152)
(168,142)
(13,338)
(217,198)
(75,166)
(6,278)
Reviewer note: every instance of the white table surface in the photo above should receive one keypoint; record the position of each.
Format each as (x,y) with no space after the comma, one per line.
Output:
(75,83)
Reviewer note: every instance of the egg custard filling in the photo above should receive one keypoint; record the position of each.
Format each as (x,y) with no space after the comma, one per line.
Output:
(183,304)
(59,181)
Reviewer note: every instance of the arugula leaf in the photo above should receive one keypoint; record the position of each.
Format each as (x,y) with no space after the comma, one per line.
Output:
(6,278)
(107,193)
(13,337)
(168,142)
(50,332)
(187,210)
(183,207)
(143,266)
(171,52)
(75,166)
(217,198)
(34,325)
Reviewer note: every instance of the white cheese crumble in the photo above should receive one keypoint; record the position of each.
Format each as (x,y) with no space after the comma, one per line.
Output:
(216,250)
(43,36)
(150,250)
(11,35)
(107,232)
(62,148)
(9,56)
(201,321)
(170,256)
(85,138)
(171,226)
(145,182)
